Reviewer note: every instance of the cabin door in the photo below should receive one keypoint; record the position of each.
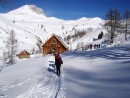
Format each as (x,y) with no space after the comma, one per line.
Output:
(53,49)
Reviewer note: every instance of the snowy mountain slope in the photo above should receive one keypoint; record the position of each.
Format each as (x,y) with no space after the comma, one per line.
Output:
(101,73)
(89,38)
(29,21)
(28,10)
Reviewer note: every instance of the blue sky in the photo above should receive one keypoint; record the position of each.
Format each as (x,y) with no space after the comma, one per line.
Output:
(72,9)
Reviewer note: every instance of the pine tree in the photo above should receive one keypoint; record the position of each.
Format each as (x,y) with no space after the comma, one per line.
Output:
(11,47)
(100,35)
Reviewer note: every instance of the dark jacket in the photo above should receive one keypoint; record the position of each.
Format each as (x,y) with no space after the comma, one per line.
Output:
(58,60)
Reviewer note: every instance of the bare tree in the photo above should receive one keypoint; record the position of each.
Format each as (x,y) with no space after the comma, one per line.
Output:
(113,21)
(39,43)
(11,46)
(126,16)
(68,39)
(78,45)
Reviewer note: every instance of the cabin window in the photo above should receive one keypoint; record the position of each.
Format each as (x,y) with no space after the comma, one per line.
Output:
(53,43)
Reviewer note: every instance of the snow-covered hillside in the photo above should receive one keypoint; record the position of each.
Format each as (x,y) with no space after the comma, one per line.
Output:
(30,21)
(101,73)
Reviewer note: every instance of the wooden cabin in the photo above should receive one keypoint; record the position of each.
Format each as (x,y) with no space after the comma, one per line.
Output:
(54,44)
(24,54)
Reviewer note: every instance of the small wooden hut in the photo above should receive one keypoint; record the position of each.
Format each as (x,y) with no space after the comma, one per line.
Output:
(24,54)
(54,44)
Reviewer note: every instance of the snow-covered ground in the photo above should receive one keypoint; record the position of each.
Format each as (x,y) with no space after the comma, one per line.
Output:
(101,73)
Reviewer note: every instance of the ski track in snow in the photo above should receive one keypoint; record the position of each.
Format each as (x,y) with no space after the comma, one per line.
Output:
(46,85)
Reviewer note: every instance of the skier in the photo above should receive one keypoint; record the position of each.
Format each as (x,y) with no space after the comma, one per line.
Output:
(58,62)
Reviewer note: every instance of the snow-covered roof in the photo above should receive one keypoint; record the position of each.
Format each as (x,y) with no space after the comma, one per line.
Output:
(59,39)
(24,53)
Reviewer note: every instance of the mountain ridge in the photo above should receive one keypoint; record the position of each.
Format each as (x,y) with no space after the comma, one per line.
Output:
(27,9)
(28,24)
